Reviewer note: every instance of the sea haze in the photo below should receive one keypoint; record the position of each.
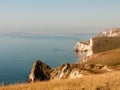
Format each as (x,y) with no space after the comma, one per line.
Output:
(18,51)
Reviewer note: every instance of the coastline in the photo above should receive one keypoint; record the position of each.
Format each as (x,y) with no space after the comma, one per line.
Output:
(103,65)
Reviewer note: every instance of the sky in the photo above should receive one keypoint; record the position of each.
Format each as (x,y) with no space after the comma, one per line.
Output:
(59,16)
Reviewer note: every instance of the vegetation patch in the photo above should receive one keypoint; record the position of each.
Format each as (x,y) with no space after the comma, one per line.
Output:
(110,58)
(101,44)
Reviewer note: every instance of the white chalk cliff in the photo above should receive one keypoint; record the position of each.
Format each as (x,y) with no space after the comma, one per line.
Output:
(85,48)
(115,32)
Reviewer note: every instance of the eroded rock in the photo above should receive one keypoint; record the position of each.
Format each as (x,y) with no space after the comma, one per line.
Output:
(41,72)
(61,72)
(66,71)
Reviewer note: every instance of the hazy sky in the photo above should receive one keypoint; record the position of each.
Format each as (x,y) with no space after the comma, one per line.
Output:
(59,16)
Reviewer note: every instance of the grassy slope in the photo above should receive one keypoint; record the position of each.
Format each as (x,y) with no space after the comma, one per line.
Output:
(107,81)
(106,51)
(110,58)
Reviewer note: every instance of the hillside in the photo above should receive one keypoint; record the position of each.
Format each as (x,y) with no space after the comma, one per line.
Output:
(101,44)
(110,58)
(107,81)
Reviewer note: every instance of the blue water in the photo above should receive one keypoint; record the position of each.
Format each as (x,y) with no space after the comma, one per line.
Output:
(19,51)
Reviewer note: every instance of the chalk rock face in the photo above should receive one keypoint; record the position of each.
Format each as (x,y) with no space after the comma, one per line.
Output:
(66,71)
(85,48)
(61,72)
(115,32)
(82,46)
(40,71)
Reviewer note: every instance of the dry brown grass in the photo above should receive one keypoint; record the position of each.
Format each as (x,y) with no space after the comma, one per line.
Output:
(102,44)
(110,58)
(107,81)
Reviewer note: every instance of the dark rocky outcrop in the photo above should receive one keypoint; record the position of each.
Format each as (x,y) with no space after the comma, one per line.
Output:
(40,71)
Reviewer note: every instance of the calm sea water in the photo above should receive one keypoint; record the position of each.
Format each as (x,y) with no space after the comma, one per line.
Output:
(19,51)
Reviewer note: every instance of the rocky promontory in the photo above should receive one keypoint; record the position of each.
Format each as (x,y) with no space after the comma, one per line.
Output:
(101,54)
(42,72)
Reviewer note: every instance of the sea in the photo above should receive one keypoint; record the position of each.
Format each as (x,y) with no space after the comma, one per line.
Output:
(18,51)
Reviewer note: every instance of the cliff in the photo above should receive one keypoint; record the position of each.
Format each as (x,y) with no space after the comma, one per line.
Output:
(84,47)
(107,40)
(114,32)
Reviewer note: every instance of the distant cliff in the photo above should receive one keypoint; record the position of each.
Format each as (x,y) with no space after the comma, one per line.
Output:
(107,40)
(115,32)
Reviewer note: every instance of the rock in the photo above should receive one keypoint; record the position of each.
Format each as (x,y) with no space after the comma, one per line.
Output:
(85,48)
(40,71)
(61,72)
(82,46)
(66,71)
(75,73)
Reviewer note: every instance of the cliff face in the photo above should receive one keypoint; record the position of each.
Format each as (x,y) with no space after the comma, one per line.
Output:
(102,42)
(84,47)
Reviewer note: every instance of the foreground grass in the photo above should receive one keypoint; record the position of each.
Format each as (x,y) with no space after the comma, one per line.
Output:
(107,81)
